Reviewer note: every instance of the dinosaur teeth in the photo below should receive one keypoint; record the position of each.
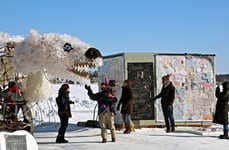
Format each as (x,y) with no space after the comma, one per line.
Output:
(82,69)
(85,65)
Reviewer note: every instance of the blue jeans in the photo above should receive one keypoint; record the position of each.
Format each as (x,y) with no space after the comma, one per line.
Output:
(127,119)
(226,127)
(168,116)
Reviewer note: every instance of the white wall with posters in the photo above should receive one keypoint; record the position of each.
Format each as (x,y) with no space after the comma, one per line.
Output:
(193,77)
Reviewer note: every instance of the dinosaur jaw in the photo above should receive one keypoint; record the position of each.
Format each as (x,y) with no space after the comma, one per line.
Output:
(81,69)
(85,69)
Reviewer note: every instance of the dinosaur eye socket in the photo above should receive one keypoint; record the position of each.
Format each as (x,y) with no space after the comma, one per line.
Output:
(92,53)
(67,47)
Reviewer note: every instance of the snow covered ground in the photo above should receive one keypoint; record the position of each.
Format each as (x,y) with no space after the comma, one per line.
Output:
(144,139)
(89,138)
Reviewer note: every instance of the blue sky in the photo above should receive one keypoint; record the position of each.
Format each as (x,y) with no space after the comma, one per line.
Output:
(113,26)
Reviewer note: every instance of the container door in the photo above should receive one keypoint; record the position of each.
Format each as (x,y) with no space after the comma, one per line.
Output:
(141,75)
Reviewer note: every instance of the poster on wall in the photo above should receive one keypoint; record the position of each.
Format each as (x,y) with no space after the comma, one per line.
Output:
(193,78)
(113,68)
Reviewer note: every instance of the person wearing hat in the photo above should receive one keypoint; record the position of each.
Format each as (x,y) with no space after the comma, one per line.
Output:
(106,108)
(20,101)
(167,96)
(64,111)
(222,109)
(16,101)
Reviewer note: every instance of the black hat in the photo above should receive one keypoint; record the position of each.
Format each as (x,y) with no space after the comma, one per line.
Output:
(112,83)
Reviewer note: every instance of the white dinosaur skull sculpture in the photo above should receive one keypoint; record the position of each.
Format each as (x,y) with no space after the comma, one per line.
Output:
(46,51)
(61,55)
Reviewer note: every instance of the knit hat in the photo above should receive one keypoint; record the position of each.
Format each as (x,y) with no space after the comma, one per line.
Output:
(166,77)
(106,80)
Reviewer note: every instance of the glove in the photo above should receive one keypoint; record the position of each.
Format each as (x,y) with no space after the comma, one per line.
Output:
(71,102)
(87,87)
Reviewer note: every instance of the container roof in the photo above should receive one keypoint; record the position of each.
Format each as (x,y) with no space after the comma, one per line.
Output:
(153,53)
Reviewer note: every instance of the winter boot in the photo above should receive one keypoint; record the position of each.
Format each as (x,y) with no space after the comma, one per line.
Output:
(60,139)
(168,130)
(104,140)
(65,141)
(113,140)
(128,130)
(113,135)
(225,135)
(173,129)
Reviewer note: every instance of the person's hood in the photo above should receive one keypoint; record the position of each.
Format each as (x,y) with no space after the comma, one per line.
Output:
(15,89)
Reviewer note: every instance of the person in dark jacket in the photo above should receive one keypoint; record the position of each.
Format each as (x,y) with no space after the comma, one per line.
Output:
(106,110)
(64,112)
(222,109)
(167,96)
(126,101)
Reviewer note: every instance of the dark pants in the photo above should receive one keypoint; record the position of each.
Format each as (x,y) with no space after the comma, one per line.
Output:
(63,126)
(27,114)
(168,116)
